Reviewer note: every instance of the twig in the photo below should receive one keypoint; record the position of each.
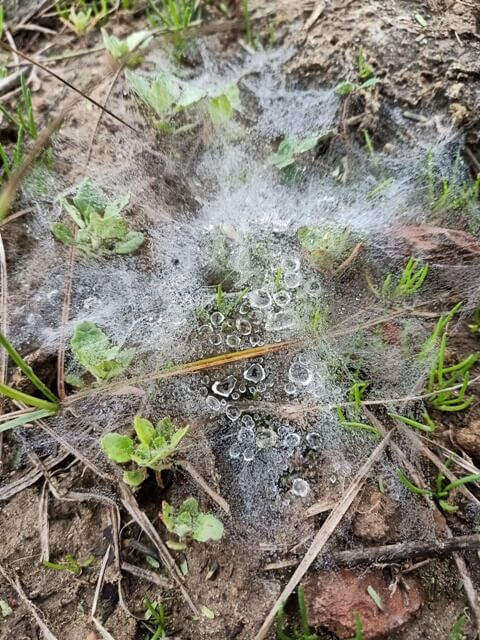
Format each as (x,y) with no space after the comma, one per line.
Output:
(101,629)
(43,522)
(34,611)
(67,297)
(324,534)
(145,574)
(100,579)
(190,469)
(67,83)
(315,15)
(400,552)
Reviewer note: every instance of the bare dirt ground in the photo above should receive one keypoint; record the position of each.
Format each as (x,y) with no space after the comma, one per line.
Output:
(426,56)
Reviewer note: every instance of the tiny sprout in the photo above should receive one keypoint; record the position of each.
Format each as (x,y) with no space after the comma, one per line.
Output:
(190,523)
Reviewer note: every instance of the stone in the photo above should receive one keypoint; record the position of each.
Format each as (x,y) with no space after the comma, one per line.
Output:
(333,597)
(468,439)
(435,243)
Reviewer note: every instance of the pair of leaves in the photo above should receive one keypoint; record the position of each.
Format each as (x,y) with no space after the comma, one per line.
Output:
(167,96)
(122,49)
(190,522)
(101,230)
(290,148)
(154,449)
(94,351)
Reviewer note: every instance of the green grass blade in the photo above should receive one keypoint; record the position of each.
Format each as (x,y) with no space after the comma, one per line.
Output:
(410,486)
(27,399)
(28,371)
(413,423)
(461,481)
(27,417)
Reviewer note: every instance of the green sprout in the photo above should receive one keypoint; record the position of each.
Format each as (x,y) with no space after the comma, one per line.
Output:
(304,632)
(175,106)
(225,306)
(411,279)
(153,449)
(290,148)
(428,426)
(70,564)
(101,230)
(326,249)
(441,491)
(175,16)
(122,50)
(94,351)
(356,424)
(247,20)
(457,629)
(43,407)
(451,193)
(358,628)
(475,324)
(155,617)
(365,77)
(190,523)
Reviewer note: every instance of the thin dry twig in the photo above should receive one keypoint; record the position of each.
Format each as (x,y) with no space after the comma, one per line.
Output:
(324,534)
(34,611)
(101,576)
(203,484)
(67,297)
(145,574)
(43,523)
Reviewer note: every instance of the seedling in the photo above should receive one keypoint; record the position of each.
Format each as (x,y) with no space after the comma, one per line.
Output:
(457,629)
(365,75)
(101,230)
(189,523)
(326,249)
(453,192)
(122,50)
(442,378)
(411,279)
(43,407)
(290,148)
(155,617)
(225,306)
(247,21)
(153,448)
(357,393)
(70,564)
(94,351)
(355,424)
(375,597)
(175,106)
(432,342)
(441,492)
(475,325)
(358,628)
(428,426)
(176,16)
(79,21)
(302,633)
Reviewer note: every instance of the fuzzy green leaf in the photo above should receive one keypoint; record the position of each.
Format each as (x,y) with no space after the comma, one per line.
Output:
(134,478)
(345,88)
(133,240)
(114,208)
(144,429)
(117,447)
(75,214)
(89,196)
(63,233)
(207,528)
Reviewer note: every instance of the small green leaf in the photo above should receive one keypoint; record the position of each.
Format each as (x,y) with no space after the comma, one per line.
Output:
(117,447)
(206,612)
(153,562)
(375,597)
(421,20)
(345,88)
(144,429)
(89,196)
(207,528)
(371,82)
(176,546)
(63,233)
(113,228)
(5,609)
(114,208)
(75,214)
(133,240)
(134,478)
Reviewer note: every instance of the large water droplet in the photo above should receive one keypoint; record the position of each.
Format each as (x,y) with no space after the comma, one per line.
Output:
(259,299)
(291,264)
(215,339)
(282,298)
(299,374)
(314,440)
(249,454)
(205,330)
(233,413)
(224,387)
(266,438)
(233,341)
(246,434)
(248,421)
(292,280)
(280,321)
(217,318)
(235,450)
(291,440)
(213,403)
(255,373)
(243,326)
(300,488)
(290,389)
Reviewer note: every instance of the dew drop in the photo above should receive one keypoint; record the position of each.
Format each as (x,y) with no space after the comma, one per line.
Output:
(213,403)
(260,299)
(224,387)
(233,341)
(300,488)
(246,434)
(249,454)
(255,373)
(235,450)
(291,440)
(248,421)
(299,374)
(282,298)
(243,326)
(292,280)
(215,339)
(233,413)
(314,440)
(290,389)
(217,318)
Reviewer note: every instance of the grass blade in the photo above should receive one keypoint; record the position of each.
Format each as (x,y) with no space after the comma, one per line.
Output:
(31,401)
(27,417)
(27,370)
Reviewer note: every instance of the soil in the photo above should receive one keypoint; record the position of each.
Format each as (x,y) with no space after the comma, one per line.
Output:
(430,87)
